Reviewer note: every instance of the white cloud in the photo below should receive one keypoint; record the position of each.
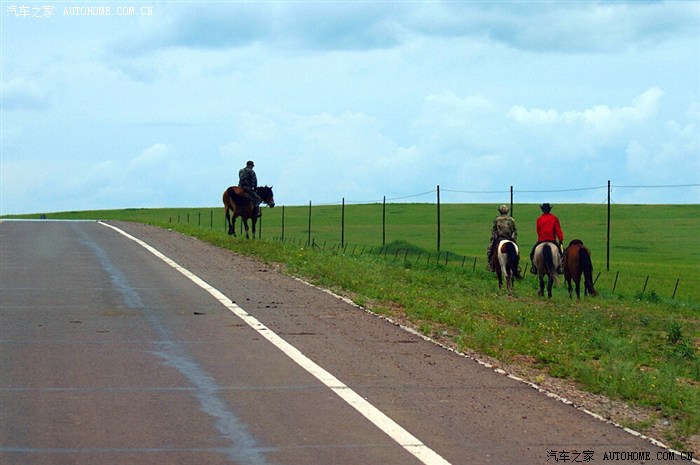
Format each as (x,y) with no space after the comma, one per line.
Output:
(154,156)
(669,157)
(602,117)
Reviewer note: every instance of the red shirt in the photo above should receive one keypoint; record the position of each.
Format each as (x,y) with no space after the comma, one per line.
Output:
(548,228)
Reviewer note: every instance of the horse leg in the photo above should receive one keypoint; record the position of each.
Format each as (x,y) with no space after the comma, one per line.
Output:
(232,225)
(245,224)
(550,283)
(499,274)
(228,221)
(254,220)
(578,288)
(541,291)
(506,270)
(568,285)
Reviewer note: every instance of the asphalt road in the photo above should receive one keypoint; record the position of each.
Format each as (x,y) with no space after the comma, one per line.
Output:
(111,355)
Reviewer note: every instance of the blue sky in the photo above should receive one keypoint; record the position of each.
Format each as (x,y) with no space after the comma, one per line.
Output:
(354,100)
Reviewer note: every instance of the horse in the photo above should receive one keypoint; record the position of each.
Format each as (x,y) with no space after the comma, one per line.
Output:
(506,262)
(577,261)
(547,261)
(237,199)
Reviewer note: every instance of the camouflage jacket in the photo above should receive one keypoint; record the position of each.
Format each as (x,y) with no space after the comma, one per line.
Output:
(504,228)
(247,178)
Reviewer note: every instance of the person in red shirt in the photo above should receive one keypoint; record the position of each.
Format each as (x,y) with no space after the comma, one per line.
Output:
(548,230)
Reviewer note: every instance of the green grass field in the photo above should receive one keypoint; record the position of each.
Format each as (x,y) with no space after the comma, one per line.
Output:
(637,344)
(654,249)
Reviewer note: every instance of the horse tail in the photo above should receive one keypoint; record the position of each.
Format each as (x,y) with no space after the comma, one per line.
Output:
(549,262)
(584,256)
(227,198)
(513,259)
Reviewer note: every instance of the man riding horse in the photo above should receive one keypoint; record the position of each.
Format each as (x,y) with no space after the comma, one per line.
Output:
(548,230)
(249,182)
(503,228)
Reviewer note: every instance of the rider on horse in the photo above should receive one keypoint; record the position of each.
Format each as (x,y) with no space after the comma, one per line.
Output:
(249,182)
(503,228)
(548,230)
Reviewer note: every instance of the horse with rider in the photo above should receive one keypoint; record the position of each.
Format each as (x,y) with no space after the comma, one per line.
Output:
(245,199)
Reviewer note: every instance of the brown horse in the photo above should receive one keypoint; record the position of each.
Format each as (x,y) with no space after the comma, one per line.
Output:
(546,261)
(237,199)
(506,261)
(577,261)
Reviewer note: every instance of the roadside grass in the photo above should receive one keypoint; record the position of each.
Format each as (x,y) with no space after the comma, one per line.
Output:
(639,346)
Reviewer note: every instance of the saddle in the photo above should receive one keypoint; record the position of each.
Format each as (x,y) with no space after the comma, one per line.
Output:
(238,191)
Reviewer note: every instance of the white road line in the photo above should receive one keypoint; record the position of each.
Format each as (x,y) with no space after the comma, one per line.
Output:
(405,439)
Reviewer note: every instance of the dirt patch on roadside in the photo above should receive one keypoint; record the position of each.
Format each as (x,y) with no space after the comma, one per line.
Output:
(646,421)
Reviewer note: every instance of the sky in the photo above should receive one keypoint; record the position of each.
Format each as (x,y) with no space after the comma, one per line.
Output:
(160,103)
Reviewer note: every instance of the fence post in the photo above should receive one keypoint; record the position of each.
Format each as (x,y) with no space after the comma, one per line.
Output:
(282,223)
(384,221)
(308,240)
(438,218)
(511,201)
(608,237)
(342,224)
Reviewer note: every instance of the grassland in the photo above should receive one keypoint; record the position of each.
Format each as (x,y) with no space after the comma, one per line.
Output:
(653,248)
(639,341)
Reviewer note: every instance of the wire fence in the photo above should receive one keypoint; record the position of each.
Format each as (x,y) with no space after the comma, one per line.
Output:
(638,242)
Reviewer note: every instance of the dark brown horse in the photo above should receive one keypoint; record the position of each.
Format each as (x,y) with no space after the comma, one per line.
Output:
(505,262)
(237,199)
(577,261)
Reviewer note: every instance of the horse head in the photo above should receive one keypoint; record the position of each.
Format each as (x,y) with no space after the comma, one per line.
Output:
(266,195)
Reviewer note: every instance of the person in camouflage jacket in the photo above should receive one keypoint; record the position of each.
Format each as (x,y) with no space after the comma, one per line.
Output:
(248,180)
(503,228)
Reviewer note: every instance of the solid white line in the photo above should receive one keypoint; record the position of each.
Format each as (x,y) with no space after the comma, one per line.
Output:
(405,439)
